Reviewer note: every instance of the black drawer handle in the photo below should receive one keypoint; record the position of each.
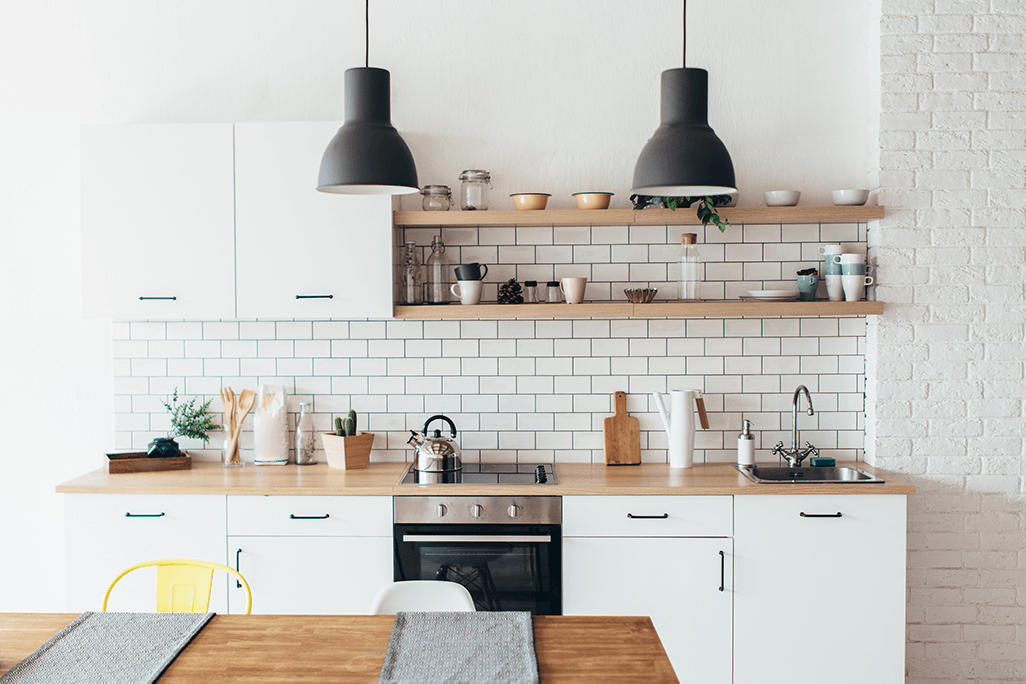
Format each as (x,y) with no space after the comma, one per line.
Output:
(820,515)
(293,516)
(327,296)
(144,515)
(143,299)
(723,570)
(238,584)
(664,516)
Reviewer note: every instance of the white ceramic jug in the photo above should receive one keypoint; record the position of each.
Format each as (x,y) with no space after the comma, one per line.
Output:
(680,425)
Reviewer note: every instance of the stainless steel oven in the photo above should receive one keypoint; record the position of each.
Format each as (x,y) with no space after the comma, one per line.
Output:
(505,550)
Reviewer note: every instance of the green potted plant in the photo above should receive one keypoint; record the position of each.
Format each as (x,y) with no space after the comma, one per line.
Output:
(187,420)
(706,209)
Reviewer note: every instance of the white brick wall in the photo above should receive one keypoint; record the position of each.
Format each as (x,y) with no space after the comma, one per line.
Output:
(532,390)
(945,362)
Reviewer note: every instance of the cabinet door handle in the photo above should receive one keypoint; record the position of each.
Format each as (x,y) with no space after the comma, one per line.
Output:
(664,516)
(327,296)
(238,584)
(723,570)
(820,515)
(145,515)
(143,299)
(293,516)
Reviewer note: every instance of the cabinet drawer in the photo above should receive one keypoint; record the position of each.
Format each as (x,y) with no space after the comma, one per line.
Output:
(647,516)
(310,516)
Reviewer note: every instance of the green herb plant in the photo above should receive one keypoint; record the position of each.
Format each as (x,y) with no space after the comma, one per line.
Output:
(706,209)
(188,420)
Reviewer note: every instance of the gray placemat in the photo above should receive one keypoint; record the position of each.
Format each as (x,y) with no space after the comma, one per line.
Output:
(461,647)
(110,647)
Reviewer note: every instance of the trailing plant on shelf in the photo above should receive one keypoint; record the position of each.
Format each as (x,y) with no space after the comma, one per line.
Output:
(187,420)
(706,209)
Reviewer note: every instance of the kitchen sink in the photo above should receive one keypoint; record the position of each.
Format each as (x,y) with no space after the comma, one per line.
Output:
(764,474)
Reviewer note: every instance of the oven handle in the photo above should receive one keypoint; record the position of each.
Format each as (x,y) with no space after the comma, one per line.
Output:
(477,538)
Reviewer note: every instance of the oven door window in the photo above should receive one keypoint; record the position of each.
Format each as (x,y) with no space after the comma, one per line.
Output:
(505,567)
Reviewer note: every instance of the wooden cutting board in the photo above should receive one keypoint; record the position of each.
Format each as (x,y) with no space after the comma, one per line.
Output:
(622,434)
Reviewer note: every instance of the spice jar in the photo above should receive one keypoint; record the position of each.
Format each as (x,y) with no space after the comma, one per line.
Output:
(554,296)
(436,198)
(530,292)
(474,190)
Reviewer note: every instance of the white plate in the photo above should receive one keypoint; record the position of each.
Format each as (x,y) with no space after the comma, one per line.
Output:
(773,294)
(746,298)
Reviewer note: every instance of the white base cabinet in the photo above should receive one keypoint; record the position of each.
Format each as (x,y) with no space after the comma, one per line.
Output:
(819,589)
(106,533)
(310,555)
(674,567)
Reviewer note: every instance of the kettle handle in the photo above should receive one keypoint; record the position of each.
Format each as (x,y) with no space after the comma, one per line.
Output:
(452,425)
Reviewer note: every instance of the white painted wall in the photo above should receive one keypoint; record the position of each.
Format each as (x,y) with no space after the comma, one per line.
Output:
(549,96)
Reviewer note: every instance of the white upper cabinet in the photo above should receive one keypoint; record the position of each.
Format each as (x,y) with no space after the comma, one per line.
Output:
(158,222)
(303,253)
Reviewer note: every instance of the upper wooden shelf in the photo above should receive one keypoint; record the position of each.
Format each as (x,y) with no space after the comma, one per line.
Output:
(704,309)
(645,217)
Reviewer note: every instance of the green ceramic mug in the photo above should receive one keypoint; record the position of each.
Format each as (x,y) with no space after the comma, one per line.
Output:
(807,287)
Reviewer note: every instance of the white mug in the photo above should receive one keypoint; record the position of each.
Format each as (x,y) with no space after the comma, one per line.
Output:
(835,290)
(573,289)
(854,286)
(469,291)
(848,258)
(830,249)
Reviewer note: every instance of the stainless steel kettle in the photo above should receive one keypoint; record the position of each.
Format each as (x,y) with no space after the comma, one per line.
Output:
(436,454)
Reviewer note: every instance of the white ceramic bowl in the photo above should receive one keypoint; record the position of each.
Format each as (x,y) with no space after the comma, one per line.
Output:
(782,198)
(849,198)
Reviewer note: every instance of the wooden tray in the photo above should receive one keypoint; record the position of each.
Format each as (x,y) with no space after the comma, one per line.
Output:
(139,462)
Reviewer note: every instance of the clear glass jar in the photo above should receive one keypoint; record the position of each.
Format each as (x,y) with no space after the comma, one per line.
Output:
(306,439)
(436,198)
(553,294)
(436,285)
(690,274)
(474,190)
(530,292)
(411,280)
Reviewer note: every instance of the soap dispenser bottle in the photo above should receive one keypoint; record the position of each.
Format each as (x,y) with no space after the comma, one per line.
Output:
(746,445)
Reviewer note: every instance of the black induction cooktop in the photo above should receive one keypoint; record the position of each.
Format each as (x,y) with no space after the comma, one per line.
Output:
(486,473)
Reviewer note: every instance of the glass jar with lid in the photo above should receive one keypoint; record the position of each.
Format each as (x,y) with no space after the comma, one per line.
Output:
(436,284)
(436,198)
(474,190)
(553,295)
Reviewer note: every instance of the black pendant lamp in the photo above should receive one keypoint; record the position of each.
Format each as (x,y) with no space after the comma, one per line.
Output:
(367,156)
(684,158)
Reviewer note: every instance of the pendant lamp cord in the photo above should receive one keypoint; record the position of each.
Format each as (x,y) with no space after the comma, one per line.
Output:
(366,42)
(684,41)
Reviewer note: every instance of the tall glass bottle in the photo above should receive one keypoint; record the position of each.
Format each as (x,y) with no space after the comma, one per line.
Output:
(306,439)
(410,278)
(436,285)
(690,273)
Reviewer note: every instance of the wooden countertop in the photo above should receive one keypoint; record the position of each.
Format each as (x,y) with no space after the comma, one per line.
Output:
(351,648)
(381,479)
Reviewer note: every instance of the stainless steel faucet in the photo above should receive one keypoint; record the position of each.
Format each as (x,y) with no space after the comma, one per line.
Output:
(795,456)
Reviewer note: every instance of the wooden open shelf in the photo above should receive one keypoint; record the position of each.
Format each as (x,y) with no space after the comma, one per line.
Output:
(704,309)
(645,217)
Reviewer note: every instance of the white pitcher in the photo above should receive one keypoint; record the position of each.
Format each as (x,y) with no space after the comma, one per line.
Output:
(680,425)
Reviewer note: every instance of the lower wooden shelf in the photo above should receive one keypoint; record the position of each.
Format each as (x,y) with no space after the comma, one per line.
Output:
(703,309)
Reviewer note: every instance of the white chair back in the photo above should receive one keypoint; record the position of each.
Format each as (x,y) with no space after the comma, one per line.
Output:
(422,595)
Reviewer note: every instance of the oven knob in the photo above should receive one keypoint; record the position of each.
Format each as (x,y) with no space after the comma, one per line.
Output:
(476,510)
(441,510)
(514,510)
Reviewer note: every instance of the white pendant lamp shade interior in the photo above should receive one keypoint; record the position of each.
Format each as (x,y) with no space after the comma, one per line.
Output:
(684,157)
(367,156)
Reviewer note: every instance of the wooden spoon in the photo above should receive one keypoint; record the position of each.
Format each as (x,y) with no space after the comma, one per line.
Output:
(229,411)
(245,402)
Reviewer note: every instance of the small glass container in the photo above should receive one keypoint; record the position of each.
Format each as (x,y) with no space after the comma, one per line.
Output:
(306,439)
(530,292)
(436,198)
(554,295)
(232,458)
(436,285)
(690,274)
(411,280)
(474,190)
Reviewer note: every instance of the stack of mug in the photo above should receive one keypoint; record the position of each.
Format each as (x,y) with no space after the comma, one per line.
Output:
(845,273)
(469,282)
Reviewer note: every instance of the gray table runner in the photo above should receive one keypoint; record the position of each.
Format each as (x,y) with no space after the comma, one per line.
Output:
(461,647)
(110,647)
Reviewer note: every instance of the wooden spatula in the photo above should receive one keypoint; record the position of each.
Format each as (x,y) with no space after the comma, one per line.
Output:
(622,434)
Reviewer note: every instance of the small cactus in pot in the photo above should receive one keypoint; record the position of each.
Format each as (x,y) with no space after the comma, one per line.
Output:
(346,448)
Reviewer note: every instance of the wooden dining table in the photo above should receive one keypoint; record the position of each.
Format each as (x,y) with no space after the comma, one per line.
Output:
(351,648)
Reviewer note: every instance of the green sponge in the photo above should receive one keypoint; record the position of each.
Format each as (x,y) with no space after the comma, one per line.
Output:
(822,462)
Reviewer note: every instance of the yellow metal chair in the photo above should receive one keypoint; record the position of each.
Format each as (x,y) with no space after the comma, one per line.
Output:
(183,585)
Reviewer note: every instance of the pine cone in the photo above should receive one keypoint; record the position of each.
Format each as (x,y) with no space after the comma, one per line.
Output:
(510,292)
